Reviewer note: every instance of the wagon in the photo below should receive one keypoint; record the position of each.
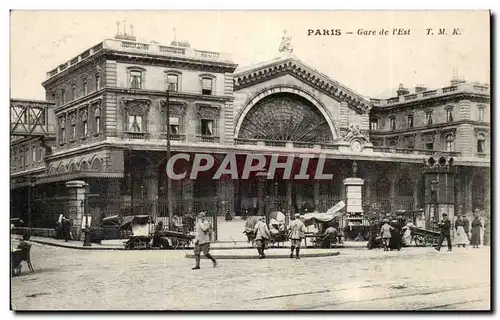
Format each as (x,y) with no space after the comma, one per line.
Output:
(141,232)
(177,239)
(424,238)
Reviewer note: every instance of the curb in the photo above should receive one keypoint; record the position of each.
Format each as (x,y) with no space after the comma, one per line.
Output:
(270,256)
(60,245)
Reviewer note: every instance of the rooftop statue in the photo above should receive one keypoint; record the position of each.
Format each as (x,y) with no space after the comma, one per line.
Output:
(286,44)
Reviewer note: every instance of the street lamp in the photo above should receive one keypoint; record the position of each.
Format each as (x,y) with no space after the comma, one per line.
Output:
(87,240)
(434,188)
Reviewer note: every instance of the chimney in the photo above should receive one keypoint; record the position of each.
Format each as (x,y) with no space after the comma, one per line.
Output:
(402,90)
(456,81)
(420,88)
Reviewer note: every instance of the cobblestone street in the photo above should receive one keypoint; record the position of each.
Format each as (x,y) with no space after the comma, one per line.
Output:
(357,279)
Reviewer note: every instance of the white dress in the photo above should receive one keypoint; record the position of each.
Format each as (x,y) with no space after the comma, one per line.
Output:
(460,236)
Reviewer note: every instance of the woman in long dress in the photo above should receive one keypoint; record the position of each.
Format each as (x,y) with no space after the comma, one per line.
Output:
(475,238)
(460,235)
(395,242)
(407,233)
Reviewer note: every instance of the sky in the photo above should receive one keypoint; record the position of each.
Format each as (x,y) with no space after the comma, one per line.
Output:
(371,65)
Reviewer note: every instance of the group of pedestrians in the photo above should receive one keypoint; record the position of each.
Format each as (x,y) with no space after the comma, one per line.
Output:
(386,234)
(463,235)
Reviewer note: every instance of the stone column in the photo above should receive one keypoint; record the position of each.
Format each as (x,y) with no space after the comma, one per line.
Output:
(316,195)
(76,199)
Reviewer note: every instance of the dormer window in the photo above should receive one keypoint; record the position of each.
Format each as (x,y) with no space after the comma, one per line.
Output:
(206,88)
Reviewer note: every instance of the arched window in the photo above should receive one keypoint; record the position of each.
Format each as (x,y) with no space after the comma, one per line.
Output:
(85,86)
(374,124)
(207,84)
(449,114)
(404,186)
(392,123)
(480,116)
(97,81)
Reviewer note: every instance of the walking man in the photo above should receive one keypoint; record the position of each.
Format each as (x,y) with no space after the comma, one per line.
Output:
(262,236)
(202,241)
(297,232)
(444,226)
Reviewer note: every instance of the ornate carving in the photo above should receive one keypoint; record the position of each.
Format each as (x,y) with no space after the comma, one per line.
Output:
(62,121)
(207,111)
(84,114)
(72,118)
(136,106)
(355,133)
(176,108)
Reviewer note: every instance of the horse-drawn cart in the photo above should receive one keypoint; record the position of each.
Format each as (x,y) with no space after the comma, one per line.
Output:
(424,238)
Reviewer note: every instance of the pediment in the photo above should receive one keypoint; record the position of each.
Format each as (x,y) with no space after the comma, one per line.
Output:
(291,65)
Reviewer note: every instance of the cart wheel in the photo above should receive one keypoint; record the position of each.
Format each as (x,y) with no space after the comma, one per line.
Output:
(428,241)
(419,242)
(175,243)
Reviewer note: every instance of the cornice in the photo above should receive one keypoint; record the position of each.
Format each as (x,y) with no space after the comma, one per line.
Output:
(171,62)
(305,74)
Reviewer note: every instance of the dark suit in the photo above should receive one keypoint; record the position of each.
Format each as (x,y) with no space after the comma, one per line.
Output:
(467,227)
(445,227)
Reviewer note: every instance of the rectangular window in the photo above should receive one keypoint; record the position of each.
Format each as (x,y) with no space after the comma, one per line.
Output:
(481,114)
(73,132)
(429,146)
(449,115)
(34,156)
(174,125)
(449,146)
(410,121)
(481,146)
(73,92)
(374,124)
(207,127)
(63,135)
(206,86)
(135,123)
(97,82)
(85,87)
(85,128)
(172,82)
(136,79)
(428,117)
(41,154)
(63,96)
(392,123)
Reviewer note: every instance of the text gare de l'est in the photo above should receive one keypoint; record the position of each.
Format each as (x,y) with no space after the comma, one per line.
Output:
(360,32)
(253,163)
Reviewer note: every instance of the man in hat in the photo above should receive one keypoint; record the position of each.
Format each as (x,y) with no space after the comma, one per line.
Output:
(444,226)
(262,236)
(466,226)
(297,233)
(202,240)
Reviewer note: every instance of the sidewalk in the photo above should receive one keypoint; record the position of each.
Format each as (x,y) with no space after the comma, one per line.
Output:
(223,245)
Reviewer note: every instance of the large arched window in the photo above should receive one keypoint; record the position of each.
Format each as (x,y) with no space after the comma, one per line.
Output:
(404,186)
(285,117)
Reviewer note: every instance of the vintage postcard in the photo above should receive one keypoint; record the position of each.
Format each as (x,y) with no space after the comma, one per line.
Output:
(250,160)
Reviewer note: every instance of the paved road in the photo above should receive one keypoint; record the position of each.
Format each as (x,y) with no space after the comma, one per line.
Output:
(413,279)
